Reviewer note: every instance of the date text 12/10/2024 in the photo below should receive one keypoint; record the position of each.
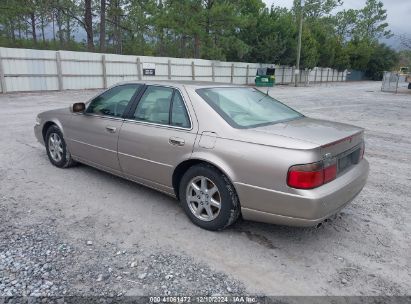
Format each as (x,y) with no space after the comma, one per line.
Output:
(204,299)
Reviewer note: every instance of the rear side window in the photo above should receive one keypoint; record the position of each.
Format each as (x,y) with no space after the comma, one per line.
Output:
(114,101)
(179,116)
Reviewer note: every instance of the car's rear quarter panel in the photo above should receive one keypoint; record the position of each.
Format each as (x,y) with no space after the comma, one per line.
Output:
(252,166)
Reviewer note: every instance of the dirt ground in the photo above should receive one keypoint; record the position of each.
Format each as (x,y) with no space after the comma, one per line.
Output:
(82,231)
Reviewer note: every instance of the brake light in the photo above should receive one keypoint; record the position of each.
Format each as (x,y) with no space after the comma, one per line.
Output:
(311,176)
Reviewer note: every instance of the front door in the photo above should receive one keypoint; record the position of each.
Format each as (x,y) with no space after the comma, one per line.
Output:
(93,135)
(158,135)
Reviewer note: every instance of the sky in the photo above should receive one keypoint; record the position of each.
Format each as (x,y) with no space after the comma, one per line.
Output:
(398,15)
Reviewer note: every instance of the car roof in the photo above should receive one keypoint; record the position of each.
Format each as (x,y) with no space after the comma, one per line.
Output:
(186,83)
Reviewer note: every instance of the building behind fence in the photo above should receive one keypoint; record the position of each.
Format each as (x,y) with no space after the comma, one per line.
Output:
(40,70)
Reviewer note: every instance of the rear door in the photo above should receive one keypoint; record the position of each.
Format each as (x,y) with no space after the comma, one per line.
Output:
(157,135)
(93,135)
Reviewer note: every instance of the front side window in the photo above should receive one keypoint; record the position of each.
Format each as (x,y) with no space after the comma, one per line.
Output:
(114,101)
(247,107)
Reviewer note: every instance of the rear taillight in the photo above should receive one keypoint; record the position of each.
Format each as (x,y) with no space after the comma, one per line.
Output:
(305,176)
(362,151)
(312,175)
(330,173)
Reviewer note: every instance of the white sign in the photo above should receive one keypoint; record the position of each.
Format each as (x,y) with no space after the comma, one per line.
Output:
(149,65)
(149,69)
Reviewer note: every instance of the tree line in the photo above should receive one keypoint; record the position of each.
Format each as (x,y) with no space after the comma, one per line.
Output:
(232,30)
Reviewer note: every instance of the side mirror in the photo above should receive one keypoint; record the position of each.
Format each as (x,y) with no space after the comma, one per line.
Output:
(78,107)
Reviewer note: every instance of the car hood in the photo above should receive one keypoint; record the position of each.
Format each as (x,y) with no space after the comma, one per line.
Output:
(316,131)
(55,112)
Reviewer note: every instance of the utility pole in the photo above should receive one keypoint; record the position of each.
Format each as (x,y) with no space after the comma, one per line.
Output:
(297,70)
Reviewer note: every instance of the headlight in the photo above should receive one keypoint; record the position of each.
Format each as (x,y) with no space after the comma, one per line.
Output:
(38,121)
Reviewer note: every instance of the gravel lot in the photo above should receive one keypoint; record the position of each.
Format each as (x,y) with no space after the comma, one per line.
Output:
(80,231)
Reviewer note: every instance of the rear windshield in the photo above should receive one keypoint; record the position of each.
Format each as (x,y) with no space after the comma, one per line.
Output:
(247,107)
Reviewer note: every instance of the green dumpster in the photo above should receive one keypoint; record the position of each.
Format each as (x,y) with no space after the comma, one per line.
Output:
(265,77)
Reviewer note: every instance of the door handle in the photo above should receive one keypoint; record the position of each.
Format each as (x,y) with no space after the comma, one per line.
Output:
(176,141)
(111,129)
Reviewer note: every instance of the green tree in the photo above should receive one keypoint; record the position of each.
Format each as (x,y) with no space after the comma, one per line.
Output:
(223,22)
(272,37)
(371,23)
(382,59)
(404,59)
(140,16)
(309,49)
(315,9)
(323,32)
(359,52)
(342,57)
(345,22)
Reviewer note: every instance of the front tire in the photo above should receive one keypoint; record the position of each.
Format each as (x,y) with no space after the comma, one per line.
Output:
(56,148)
(208,198)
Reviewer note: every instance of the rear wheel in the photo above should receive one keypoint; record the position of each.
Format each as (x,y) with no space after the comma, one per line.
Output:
(208,198)
(56,148)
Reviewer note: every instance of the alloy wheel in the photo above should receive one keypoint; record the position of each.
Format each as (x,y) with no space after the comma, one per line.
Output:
(55,146)
(203,198)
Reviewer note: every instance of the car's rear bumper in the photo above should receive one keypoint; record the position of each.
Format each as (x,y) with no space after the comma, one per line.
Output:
(308,207)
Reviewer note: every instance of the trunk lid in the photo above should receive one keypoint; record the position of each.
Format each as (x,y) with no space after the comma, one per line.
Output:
(332,137)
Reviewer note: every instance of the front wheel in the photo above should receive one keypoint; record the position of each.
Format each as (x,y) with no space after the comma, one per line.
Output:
(56,148)
(208,198)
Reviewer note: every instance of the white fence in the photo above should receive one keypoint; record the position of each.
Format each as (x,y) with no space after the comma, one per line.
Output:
(39,70)
(390,82)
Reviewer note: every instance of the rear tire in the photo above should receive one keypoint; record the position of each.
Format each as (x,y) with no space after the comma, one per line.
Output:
(208,198)
(56,148)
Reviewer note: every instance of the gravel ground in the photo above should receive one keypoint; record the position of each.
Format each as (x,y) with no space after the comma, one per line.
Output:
(84,232)
(37,261)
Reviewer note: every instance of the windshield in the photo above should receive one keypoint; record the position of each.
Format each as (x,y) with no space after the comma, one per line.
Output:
(247,107)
